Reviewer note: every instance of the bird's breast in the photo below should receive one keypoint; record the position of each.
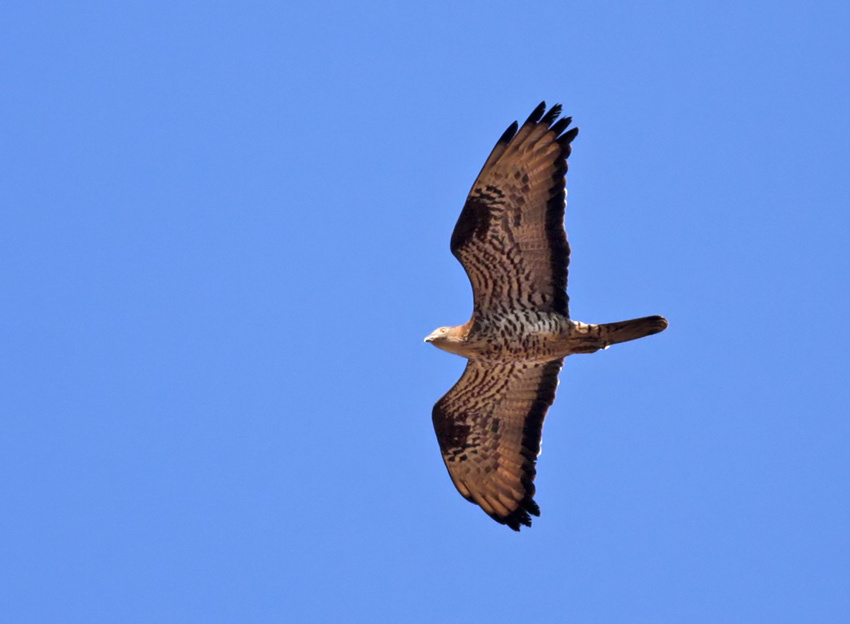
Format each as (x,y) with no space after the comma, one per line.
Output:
(520,335)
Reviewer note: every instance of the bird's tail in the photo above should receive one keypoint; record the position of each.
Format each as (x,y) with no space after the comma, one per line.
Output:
(587,338)
(614,333)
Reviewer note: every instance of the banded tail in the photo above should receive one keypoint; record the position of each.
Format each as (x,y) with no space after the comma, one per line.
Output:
(614,333)
(587,338)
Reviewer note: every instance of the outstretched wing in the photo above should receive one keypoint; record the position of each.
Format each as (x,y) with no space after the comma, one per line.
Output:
(489,427)
(510,235)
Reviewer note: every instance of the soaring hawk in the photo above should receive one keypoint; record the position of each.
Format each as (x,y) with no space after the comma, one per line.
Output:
(511,241)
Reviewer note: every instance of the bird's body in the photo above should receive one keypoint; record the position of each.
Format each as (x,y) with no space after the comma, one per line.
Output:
(511,240)
(531,336)
(516,335)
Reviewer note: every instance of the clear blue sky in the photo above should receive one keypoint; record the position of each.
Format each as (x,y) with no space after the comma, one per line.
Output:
(224,232)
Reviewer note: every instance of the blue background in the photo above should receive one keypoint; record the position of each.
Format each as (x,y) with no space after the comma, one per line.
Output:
(224,232)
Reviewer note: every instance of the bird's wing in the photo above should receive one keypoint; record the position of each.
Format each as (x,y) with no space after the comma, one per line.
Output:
(510,236)
(489,427)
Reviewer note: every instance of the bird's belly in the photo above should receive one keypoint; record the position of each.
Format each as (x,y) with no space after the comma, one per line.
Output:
(522,336)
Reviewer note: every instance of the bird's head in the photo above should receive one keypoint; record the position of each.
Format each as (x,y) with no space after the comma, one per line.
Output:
(437,336)
(449,339)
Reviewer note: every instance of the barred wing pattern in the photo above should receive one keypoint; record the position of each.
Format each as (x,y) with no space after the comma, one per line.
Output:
(511,241)
(510,236)
(489,428)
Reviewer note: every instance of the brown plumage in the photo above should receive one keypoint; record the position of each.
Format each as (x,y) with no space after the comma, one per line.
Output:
(511,241)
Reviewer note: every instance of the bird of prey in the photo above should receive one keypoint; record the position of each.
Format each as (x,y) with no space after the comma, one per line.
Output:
(511,241)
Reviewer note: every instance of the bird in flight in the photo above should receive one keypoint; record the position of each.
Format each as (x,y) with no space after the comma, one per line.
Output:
(511,241)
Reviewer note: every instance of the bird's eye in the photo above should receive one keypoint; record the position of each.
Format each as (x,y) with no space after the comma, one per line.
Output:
(443,330)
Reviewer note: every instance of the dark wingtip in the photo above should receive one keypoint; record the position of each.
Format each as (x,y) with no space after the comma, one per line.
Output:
(537,113)
(516,520)
(565,139)
(521,516)
(552,115)
(559,126)
(508,134)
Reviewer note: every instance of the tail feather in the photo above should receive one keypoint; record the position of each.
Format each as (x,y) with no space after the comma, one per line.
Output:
(614,333)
